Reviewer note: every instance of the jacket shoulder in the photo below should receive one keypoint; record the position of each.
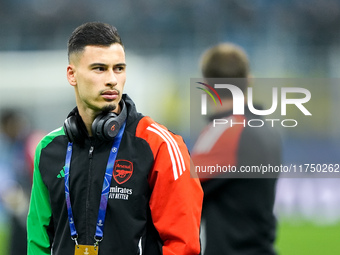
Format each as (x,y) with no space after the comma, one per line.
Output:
(47,139)
(154,133)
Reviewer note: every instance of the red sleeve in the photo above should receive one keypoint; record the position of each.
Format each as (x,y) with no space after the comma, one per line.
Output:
(176,199)
(217,146)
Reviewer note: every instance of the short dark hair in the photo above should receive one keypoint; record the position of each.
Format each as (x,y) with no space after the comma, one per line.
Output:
(227,61)
(92,33)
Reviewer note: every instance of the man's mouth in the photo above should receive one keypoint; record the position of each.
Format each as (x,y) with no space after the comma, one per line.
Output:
(110,95)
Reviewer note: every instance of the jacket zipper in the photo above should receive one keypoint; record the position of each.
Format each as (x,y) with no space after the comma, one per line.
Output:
(140,247)
(88,193)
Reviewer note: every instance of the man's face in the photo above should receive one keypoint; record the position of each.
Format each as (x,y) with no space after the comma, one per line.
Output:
(98,76)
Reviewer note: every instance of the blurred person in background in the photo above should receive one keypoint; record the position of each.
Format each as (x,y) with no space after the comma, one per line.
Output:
(17,146)
(237,216)
(151,205)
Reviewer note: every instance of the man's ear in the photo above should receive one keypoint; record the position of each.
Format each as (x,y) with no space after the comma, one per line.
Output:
(71,77)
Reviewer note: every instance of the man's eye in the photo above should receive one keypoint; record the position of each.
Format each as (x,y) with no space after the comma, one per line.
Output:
(99,68)
(119,68)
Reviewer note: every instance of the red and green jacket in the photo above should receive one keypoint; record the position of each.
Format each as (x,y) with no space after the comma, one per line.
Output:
(154,206)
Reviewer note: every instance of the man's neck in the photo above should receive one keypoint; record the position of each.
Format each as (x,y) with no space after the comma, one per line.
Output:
(87,116)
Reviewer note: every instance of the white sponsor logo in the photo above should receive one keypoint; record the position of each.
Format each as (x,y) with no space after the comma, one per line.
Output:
(120,193)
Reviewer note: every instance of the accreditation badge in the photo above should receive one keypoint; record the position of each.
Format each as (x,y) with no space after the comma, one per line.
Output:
(86,250)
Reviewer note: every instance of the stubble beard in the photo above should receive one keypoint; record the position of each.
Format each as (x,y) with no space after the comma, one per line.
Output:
(109,108)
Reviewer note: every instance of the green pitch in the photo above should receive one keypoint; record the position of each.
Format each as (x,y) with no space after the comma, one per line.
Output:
(3,240)
(305,238)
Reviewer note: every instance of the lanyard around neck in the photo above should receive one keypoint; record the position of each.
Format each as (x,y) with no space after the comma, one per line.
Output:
(105,189)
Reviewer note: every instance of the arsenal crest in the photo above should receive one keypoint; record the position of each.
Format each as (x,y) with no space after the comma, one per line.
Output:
(122,171)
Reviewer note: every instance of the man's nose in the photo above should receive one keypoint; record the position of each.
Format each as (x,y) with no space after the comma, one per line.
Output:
(111,79)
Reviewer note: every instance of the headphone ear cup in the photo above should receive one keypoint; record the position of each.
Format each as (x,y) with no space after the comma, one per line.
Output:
(72,131)
(107,125)
(111,126)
